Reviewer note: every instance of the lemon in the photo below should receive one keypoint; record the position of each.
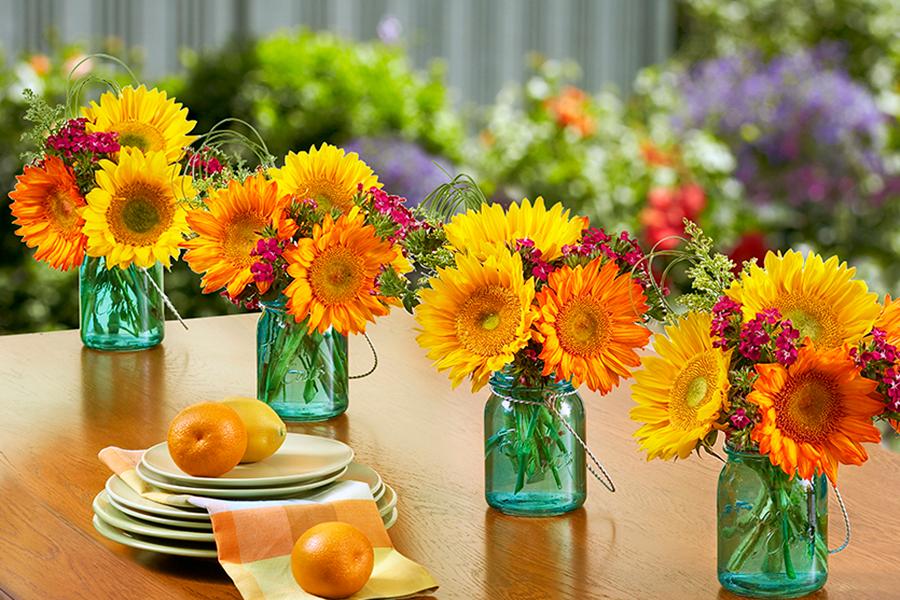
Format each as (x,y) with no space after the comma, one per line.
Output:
(265,429)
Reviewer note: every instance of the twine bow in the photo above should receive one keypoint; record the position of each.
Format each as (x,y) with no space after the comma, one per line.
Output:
(550,403)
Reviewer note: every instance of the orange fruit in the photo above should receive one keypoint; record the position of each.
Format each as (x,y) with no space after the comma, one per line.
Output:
(207,439)
(332,560)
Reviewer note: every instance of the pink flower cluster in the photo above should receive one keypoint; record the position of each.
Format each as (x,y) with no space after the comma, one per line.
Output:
(755,336)
(723,312)
(540,268)
(595,240)
(740,420)
(395,208)
(881,350)
(200,162)
(73,139)
(267,251)
(892,381)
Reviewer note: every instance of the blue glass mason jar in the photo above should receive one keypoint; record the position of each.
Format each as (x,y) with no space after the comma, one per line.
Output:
(772,529)
(120,309)
(534,466)
(302,376)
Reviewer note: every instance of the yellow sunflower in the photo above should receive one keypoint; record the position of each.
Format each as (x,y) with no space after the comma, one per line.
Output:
(334,274)
(144,119)
(134,214)
(821,298)
(476,316)
(481,232)
(588,325)
(326,175)
(45,204)
(229,230)
(681,389)
(815,413)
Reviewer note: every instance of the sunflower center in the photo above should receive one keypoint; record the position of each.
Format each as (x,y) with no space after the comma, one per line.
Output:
(583,327)
(139,135)
(240,238)
(489,319)
(693,388)
(812,318)
(808,408)
(337,275)
(139,214)
(63,209)
(329,194)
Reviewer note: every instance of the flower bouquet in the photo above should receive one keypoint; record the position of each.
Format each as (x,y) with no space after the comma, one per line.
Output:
(103,192)
(323,250)
(792,362)
(536,303)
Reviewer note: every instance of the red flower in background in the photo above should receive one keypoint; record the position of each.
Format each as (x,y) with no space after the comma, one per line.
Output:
(751,245)
(663,218)
(569,109)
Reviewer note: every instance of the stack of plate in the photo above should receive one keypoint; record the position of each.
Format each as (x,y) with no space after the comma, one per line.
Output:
(304,465)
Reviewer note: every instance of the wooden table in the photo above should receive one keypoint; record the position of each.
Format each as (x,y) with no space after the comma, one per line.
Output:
(654,538)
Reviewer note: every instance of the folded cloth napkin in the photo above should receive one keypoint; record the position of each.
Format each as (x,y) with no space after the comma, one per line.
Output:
(254,539)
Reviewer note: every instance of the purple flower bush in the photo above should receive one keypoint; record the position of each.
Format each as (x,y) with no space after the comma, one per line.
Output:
(403,167)
(802,130)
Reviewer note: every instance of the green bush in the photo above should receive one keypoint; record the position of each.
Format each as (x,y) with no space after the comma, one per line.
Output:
(305,88)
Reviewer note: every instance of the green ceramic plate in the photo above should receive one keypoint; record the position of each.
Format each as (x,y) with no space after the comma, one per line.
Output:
(193,549)
(113,516)
(360,472)
(389,522)
(281,491)
(301,458)
(119,491)
(157,520)
(388,502)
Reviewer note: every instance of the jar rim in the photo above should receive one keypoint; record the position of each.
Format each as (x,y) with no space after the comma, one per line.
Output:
(504,380)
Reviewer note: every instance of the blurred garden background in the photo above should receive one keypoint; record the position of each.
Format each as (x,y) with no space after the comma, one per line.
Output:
(773,124)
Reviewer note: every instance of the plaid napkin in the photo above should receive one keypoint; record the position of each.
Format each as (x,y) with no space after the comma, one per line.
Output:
(254,539)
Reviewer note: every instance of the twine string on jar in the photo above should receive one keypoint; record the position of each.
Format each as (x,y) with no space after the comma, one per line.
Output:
(549,402)
(846,516)
(374,364)
(165,298)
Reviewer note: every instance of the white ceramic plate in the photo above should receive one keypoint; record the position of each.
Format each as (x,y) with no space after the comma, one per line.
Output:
(360,472)
(301,458)
(388,502)
(113,516)
(379,493)
(119,491)
(237,493)
(157,520)
(389,522)
(193,549)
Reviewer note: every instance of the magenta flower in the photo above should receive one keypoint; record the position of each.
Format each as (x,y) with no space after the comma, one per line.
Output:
(740,420)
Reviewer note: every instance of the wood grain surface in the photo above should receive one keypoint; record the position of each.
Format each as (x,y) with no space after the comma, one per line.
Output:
(653,538)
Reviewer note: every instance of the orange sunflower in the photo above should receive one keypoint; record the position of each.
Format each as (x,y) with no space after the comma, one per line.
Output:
(334,274)
(589,325)
(229,230)
(815,413)
(45,204)
(889,321)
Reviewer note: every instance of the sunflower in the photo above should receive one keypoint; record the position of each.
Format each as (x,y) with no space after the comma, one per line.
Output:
(889,321)
(476,316)
(229,230)
(334,274)
(681,389)
(483,231)
(587,325)
(134,215)
(821,298)
(815,413)
(45,204)
(326,175)
(146,120)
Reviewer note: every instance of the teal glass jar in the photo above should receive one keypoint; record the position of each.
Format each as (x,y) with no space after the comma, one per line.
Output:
(301,375)
(534,466)
(120,309)
(772,529)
